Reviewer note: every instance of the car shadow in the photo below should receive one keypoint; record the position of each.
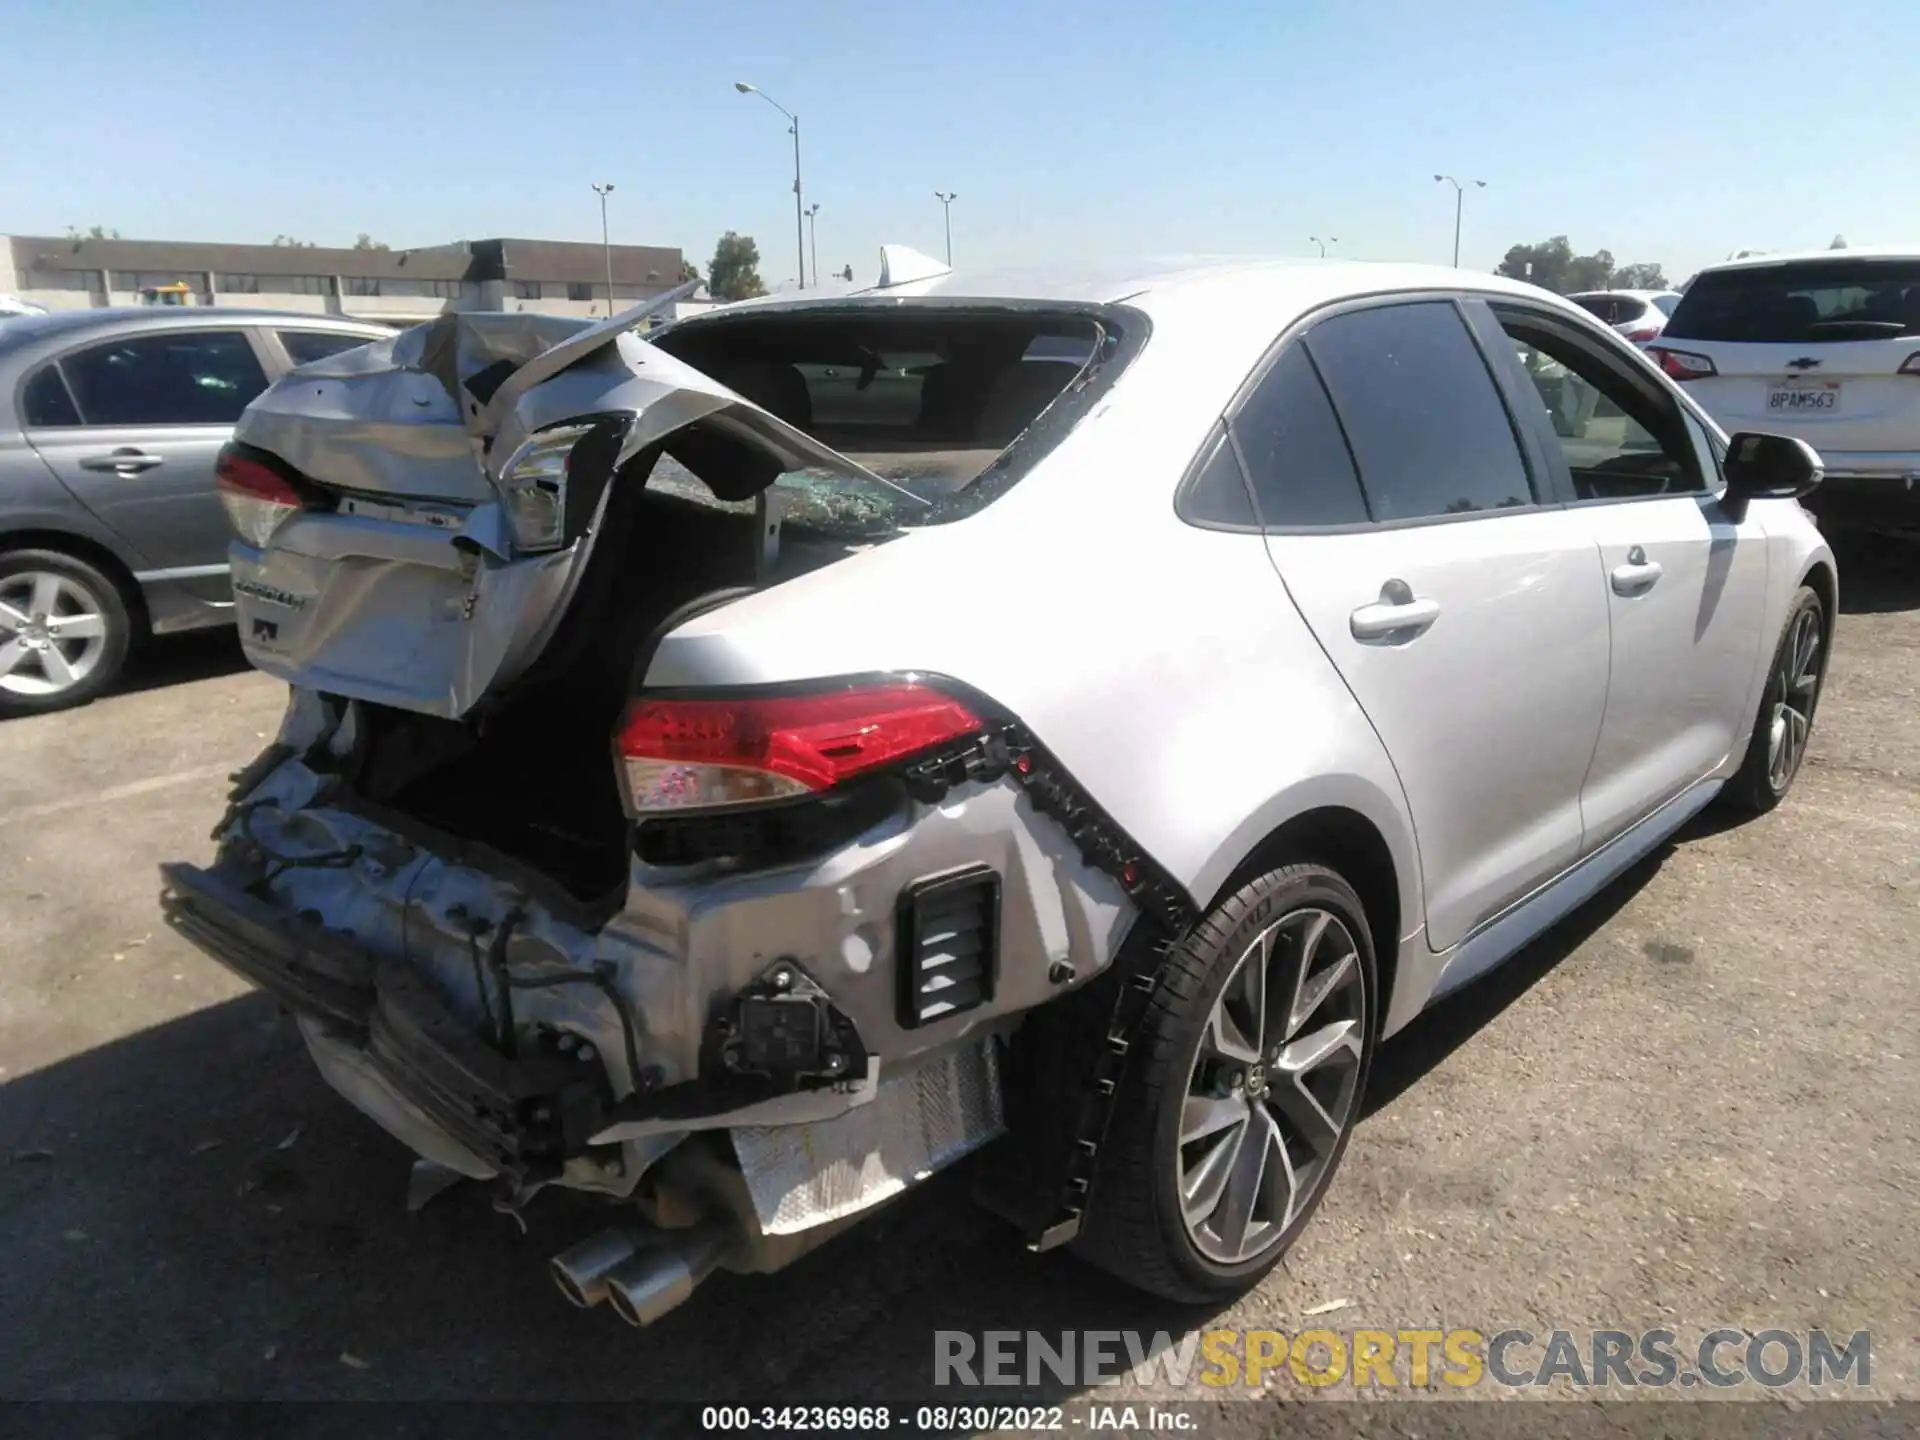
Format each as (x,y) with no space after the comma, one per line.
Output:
(1879,575)
(177,659)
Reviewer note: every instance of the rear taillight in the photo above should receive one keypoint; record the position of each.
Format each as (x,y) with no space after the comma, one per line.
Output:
(695,754)
(1682,364)
(257,498)
(1640,337)
(1911,365)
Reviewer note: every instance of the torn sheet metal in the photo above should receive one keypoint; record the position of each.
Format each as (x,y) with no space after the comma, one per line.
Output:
(922,1120)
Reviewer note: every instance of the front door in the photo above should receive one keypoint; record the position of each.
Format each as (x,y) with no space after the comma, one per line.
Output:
(137,445)
(1467,618)
(1685,582)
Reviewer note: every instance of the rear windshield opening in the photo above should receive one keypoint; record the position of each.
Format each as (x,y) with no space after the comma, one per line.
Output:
(1803,302)
(1614,309)
(928,401)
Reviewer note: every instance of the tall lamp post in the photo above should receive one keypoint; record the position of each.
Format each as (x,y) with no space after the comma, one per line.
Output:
(793,127)
(813,240)
(946,199)
(1330,240)
(1459,196)
(606,246)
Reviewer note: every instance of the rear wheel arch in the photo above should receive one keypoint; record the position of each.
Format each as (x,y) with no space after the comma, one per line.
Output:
(1827,586)
(1347,842)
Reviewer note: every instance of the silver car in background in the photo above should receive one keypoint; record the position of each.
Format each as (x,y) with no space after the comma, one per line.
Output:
(740,772)
(109,526)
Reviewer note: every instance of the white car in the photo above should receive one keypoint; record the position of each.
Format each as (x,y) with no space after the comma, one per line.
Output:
(1639,315)
(1824,346)
(1075,715)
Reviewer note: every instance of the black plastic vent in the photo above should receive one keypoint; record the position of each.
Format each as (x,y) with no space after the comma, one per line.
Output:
(949,941)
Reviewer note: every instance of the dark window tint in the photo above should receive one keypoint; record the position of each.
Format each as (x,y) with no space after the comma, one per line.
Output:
(1217,494)
(1296,459)
(183,377)
(1802,301)
(1427,426)
(304,346)
(1614,309)
(46,402)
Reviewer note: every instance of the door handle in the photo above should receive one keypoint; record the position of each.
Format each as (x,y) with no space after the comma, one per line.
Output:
(1395,613)
(127,460)
(1637,575)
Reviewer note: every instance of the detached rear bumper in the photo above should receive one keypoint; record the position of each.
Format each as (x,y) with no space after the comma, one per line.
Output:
(523,1116)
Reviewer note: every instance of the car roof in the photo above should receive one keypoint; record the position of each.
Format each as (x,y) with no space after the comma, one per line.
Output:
(22,329)
(1802,257)
(1227,293)
(1614,294)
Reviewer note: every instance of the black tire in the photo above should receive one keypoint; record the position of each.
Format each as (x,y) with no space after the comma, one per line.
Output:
(1756,788)
(101,664)
(1133,1225)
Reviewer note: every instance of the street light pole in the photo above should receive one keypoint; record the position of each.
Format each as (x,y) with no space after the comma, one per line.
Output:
(606,246)
(1459,197)
(813,237)
(946,199)
(1330,240)
(799,209)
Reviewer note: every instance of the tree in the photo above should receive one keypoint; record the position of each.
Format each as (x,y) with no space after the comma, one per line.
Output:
(1552,265)
(1645,275)
(364,241)
(688,270)
(734,273)
(290,242)
(94,232)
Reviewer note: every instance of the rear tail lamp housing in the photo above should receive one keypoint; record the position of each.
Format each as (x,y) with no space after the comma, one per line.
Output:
(1683,364)
(552,482)
(258,498)
(682,755)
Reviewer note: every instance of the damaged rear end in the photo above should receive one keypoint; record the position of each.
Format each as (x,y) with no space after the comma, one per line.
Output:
(744,958)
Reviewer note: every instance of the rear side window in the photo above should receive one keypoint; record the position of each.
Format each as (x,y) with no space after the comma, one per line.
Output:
(45,402)
(175,377)
(1802,302)
(1217,493)
(306,346)
(1296,458)
(1665,303)
(1428,429)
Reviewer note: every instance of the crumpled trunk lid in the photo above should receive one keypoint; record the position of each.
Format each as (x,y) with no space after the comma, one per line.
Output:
(412,591)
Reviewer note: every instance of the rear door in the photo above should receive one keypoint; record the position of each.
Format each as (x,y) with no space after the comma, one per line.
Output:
(1686,584)
(1812,348)
(152,412)
(1468,617)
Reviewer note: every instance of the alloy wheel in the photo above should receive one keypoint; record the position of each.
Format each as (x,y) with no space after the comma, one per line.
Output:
(1799,686)
(53,633)
(1273,1086)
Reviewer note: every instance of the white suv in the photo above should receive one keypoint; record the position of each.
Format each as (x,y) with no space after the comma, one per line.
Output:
(1823,346)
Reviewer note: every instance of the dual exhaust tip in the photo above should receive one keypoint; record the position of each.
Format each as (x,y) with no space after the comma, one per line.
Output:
(642,1274)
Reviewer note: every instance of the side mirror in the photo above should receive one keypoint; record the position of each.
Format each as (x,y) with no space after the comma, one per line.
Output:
(1770,467)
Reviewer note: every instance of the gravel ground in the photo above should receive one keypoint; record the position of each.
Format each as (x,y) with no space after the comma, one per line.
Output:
(1696,1104)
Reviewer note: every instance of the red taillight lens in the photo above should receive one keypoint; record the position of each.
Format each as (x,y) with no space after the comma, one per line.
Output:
(257,500)
(1682,364)
(698,754)
(1911,365)
(1640,337)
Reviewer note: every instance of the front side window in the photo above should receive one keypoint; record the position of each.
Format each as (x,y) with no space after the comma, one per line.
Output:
(1296,458)
(185,377)
(1608,430)
(1427,427)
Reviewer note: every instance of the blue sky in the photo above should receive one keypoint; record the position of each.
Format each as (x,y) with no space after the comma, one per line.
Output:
(1668,130)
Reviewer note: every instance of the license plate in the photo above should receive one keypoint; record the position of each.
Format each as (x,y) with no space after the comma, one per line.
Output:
(1820,397)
